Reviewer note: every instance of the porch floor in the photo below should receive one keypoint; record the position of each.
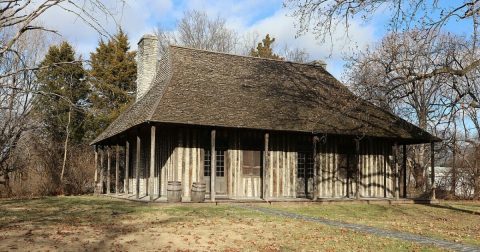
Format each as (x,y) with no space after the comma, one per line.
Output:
(220,200)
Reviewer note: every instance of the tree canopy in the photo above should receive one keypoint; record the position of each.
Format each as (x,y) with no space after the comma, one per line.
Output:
(64,90)
(265,49)
(113,76)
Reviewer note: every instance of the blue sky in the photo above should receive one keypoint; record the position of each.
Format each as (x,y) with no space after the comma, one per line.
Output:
(247,16)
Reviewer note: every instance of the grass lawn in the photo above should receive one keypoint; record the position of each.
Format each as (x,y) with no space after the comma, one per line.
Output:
(98,223)
(454,221)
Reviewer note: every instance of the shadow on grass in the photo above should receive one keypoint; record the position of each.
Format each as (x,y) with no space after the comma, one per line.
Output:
(453,208)
(106,219)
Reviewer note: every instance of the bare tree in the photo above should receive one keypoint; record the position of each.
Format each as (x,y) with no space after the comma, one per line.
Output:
(16,92)
(379,75)
(323,17)
(22,44)
(295,54)
(197,30)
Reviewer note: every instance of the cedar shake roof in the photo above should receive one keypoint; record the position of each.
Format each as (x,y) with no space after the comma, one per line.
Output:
(198,87)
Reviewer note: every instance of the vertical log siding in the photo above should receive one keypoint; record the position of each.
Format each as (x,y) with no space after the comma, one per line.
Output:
(179,156)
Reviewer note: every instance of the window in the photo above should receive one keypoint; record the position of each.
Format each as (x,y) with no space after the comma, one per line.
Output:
(251,163)
(220,155)
(220,163)
(305,165)
(207,163)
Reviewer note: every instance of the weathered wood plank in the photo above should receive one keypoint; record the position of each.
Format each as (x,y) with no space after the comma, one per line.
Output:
(127,167)
(109,164)
(213,164)
(95,179)
(152,161)
(266,160)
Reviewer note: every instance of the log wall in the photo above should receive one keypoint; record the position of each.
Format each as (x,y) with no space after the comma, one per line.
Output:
(180,157)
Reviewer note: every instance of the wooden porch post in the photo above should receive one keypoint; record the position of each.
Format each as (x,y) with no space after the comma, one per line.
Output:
(96,170)
(315,167)
(117,170)
(102,171)
(152,162)
(109,164)
(404,164)
(432,165)
(213,165)
(358,179)
(385,162)
(395,176)
(127,167)
(137,168)
(265,178)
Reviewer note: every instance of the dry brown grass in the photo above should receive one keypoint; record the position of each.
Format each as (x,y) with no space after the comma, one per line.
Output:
(457,221)
(97,223)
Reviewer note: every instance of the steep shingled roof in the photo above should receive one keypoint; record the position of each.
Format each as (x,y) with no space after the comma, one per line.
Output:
(217,89)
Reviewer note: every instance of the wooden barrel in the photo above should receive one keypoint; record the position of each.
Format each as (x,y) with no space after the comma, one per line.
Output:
(174,191)
(198,192)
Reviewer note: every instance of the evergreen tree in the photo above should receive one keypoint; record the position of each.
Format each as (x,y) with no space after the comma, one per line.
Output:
(64,94)
(264,49)
(113,76)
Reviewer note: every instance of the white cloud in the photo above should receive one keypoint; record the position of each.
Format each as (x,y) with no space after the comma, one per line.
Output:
(135,17)
(282,27)
(262,17)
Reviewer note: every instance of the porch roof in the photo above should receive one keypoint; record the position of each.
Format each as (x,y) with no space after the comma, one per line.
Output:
(198,87)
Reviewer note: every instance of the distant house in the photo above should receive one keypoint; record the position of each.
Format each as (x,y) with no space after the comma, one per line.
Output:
(251,128)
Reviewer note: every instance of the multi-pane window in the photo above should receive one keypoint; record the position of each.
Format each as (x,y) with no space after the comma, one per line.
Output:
(220,163)
(305,165)
(207,163)
(220,156)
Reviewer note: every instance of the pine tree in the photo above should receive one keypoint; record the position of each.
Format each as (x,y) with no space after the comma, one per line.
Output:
(264,49)
(64,92)
(113,76)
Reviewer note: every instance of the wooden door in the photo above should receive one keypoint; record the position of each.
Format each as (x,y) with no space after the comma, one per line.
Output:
(304,175)
(220,178)
(252,170)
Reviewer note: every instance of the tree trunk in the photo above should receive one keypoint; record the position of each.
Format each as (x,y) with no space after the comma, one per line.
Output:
(6,184)
(419,166)
(66,145)
(454,168)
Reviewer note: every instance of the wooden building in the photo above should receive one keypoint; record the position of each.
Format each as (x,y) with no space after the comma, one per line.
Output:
(250,128)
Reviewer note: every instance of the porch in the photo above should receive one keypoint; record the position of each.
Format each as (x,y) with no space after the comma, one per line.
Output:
(251,165)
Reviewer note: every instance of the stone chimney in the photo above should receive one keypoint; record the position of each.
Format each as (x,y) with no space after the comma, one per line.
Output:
(319,63)
(147,55)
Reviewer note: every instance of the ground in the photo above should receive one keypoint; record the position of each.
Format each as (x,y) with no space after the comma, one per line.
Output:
(100,223)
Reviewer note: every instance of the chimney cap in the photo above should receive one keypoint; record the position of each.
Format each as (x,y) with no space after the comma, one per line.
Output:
(147,37)
(319,63)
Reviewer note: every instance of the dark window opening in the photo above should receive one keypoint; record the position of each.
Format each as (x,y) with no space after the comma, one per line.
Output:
(305,165)
(251,163)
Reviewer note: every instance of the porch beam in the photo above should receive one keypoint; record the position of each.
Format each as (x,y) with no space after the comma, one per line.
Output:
(432,165)
(127,167)
(315,167)
(404,166)
(213,165)
(137,167)
(117,169)
(152,161)
(266,156)
(109,164)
